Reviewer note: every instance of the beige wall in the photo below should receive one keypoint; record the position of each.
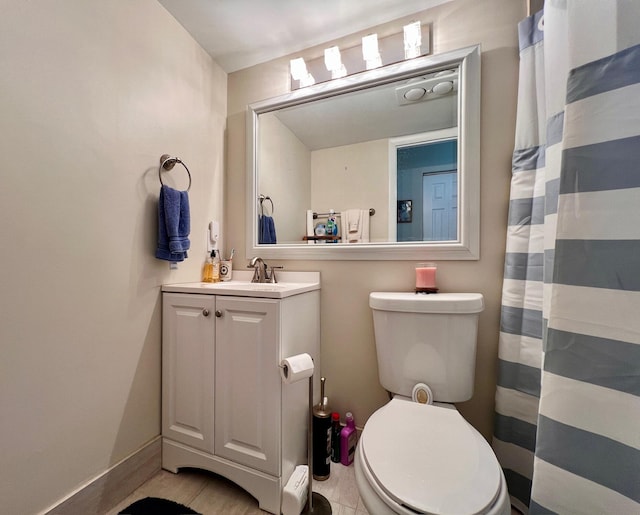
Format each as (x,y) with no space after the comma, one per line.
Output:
(91,94)
(353,177)
(286,163)
(348,352)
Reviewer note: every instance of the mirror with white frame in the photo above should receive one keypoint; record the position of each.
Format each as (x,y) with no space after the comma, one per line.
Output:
(384,164)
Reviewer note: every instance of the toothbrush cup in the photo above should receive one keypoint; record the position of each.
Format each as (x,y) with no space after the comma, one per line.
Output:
(226,268)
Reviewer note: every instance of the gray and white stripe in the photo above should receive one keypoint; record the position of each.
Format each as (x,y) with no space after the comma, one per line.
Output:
(572,269)
(521,326)
(589,423)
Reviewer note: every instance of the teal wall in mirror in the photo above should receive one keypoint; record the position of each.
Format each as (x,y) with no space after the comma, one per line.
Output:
(427,191)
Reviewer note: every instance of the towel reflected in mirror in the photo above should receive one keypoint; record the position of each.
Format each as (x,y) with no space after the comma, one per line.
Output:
(266,229)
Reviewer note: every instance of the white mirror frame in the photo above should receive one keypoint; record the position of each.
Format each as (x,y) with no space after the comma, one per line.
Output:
(467,247)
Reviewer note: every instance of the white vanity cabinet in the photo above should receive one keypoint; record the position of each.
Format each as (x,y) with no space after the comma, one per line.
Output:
(247,384)
(188,359)
(225,407)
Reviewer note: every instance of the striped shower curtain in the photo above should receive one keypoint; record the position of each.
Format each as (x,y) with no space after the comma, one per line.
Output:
(567,429)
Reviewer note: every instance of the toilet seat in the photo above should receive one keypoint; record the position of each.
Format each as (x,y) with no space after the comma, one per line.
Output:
(430,459)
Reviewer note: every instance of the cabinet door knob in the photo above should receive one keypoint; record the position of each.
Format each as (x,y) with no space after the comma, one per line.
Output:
(218,313)
(205,312)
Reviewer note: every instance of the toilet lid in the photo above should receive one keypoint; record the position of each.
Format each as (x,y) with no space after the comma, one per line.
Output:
(430,459)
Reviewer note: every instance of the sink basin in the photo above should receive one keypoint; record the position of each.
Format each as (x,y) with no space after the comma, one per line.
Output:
(290,283)
(271,287)
(249,286)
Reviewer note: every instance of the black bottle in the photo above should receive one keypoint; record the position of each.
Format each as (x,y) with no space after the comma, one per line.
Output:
(335,437)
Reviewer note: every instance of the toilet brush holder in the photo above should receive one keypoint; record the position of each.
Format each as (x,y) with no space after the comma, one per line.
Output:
(316,503)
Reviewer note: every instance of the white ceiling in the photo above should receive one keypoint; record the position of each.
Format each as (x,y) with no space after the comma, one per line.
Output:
(242,33)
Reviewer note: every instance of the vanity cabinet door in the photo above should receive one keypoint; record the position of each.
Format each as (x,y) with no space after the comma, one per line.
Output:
(247,390)
(188,332)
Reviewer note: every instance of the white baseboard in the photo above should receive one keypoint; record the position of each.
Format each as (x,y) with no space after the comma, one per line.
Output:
(102,493)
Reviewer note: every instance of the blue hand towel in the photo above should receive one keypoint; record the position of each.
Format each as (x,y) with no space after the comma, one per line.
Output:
(266,229)
(174,224)
(272,230)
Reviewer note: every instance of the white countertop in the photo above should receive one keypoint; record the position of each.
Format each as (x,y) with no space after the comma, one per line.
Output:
(289,284)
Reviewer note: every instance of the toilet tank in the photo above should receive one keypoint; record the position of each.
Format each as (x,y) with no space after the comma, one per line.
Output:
(427,339)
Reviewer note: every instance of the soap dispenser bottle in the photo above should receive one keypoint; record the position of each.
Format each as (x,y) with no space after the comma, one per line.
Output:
(215,273)
(207,271)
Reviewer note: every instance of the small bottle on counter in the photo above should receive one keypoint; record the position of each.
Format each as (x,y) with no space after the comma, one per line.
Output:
(207,270)
(348,441)
(215,273)
(336,428)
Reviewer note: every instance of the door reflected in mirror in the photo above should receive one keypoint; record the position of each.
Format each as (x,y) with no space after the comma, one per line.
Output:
(429,173)
(393,141)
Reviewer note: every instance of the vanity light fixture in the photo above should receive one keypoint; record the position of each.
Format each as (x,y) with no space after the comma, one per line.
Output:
(333,62)
(412,40)
(370,51)
(300,73)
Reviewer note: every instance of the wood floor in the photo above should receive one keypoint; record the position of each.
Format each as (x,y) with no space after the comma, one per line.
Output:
(211,494)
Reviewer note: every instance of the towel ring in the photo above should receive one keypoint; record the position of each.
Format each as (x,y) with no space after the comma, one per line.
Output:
(262,198)
(167,162)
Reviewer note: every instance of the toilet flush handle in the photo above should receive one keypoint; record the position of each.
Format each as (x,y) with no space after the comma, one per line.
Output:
(422,394)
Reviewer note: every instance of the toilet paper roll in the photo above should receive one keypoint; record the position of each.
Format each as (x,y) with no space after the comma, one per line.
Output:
(295,368)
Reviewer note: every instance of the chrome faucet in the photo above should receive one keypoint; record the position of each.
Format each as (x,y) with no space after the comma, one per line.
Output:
(261,271)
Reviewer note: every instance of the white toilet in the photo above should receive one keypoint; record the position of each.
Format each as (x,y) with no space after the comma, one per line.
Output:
(425,458)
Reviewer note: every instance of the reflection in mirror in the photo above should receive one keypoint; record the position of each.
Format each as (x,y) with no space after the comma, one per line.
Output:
(426,172)
(380,165)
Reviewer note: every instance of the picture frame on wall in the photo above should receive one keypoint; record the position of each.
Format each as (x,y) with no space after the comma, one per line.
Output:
(405,211)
